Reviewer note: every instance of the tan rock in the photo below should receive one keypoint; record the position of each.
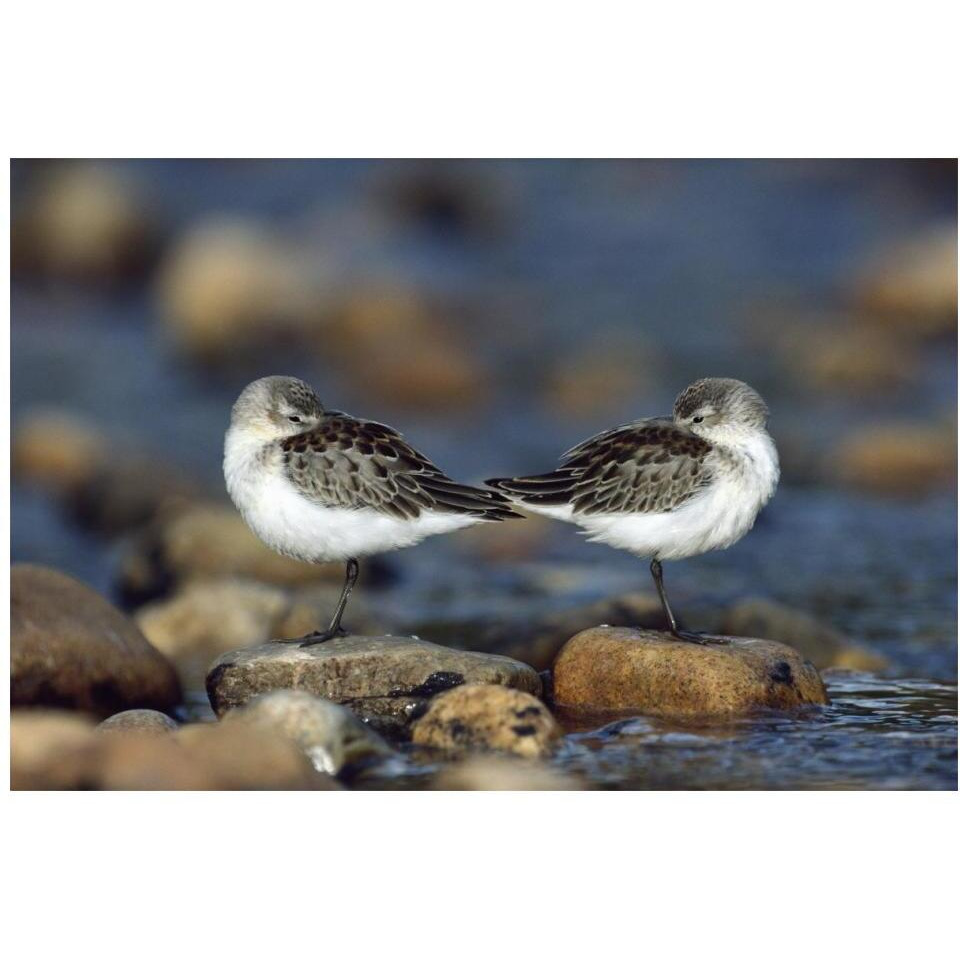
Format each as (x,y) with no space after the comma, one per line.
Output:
(382,679)
(229,286)
(912,286)
(83,222)
(56,450)
(146,722)
(330,735)
(51,750)
(612,668)
(814,639)
(897,459)
(487,717)
(70,647)
(503,773)
(404,350)
(209,541)
(207,756)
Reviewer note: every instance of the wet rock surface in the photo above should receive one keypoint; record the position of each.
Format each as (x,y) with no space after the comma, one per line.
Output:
(330,735)
(70,648)
(487,717)
(647,672)
(384,680)
(150,722)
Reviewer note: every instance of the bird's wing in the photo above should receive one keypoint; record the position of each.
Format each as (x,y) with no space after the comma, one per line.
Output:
(345,462)
(650,466)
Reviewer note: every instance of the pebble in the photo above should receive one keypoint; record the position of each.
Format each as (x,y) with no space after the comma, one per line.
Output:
(648,672)
(329,734)
(487,717)
(494,772)
(149,722)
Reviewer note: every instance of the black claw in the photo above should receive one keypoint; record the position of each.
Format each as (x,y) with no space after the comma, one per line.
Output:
(311,639)
(703,639)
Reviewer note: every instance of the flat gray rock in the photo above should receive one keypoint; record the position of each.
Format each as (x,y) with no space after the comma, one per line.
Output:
(384,680)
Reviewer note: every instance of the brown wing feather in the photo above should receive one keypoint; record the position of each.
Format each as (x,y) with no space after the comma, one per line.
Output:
(345,462)
(651,466)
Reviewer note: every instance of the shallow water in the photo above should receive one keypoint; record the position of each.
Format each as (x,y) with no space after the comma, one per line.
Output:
(675,256)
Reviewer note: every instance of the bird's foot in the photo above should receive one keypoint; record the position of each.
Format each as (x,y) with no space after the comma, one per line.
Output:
(321,636)
(703,639)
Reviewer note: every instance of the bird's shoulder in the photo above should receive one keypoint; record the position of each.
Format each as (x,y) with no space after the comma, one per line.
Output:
(655,439)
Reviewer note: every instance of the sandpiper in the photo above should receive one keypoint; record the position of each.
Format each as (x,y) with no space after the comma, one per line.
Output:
(666,488)
(320,485)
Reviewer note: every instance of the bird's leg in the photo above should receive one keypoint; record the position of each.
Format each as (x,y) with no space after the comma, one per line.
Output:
(657,571)
(335,630)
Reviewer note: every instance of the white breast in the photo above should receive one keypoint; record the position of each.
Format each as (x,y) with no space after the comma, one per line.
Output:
(292,525)
(713,520)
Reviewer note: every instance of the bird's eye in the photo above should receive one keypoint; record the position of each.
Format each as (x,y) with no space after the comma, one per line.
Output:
(294,419)
(698,419)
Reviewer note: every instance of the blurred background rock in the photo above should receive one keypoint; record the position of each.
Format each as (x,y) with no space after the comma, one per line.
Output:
(496,312)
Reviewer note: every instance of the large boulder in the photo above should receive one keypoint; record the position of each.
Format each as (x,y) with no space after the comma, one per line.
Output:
(70,648)
(487,717)
(648,672)
(385,680)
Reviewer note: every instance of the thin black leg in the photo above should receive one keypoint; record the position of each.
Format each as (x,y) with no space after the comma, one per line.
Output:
(657,571)
(335,630)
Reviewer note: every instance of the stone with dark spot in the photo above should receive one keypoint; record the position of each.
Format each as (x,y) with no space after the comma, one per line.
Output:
(648,672)
(485,717)
(70,648)
(384,680)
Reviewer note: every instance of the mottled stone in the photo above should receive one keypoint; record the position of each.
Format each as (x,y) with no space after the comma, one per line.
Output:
(487,717)
(383,679)
(814,639)
(493,772)
(149,722)
(330,735)
(644,671)
(71,648)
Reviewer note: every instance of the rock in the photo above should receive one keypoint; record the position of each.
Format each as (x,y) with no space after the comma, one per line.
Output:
(146,722)
(912,287)
(208,756)
(229,286)
(207,618)
(813,639)
(896,459)
(487,717)
(208,541)
(384,680)
(503,773)
(71,648)
(404,349)
(644,671)
(51,750)
(129,492)
(330,735)
(848,359)
(83,223)
(56,450)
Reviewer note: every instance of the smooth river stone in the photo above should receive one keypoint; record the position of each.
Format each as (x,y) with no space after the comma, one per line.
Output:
(384,680)
(648,672)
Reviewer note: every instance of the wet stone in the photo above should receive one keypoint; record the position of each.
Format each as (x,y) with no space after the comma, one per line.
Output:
(647,672)
(330,735)
(385,680)
(149,722)
(487,717)
(70,648)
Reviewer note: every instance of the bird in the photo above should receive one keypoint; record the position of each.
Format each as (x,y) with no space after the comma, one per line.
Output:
(666,488)
(320,485)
